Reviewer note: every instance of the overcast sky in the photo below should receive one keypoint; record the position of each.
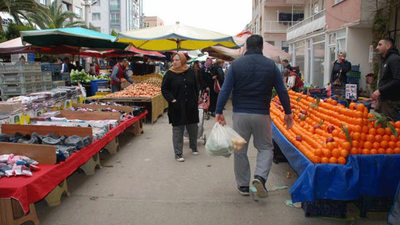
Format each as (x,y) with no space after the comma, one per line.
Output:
(225,16)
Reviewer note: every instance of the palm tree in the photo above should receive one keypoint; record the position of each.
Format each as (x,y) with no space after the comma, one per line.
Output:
(19,9)
(54,18)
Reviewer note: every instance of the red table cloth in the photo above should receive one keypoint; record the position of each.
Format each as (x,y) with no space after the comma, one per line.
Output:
(27,190)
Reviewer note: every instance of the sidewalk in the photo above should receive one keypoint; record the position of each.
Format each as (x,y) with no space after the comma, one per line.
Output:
(143,184)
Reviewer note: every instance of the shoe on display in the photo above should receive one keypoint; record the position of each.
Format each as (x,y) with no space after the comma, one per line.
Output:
(259,184)
(244,190)
(179,158)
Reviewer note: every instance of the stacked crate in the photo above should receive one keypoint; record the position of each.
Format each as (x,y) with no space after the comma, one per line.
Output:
(51,72)
(20,79)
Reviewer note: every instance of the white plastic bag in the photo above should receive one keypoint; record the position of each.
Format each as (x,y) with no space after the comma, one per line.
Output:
(223,141)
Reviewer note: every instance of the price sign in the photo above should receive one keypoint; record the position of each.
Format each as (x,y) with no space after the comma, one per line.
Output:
(351,91)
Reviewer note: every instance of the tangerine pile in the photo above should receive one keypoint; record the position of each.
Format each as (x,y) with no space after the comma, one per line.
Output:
(319,129)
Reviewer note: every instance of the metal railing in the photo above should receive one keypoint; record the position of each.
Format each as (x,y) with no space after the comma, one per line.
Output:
(277,26)
(307,20)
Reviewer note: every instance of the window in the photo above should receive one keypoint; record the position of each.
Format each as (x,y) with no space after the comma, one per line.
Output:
(114,18)
(314,7)
(285,46)
(78,12)
(43,2)
(114,5)
(96,17)
(271,42)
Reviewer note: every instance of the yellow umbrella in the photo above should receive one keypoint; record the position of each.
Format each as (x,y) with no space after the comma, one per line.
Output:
(175,37)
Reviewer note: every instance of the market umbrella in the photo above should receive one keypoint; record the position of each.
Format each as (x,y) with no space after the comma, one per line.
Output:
(269,50)
(131,51)
(75,37)
(15,46)
(175,37)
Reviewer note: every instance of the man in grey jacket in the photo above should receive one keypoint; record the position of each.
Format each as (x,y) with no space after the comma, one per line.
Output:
(251,78)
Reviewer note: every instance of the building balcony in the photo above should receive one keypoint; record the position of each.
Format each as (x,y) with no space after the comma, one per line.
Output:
(277,26)
(308,25)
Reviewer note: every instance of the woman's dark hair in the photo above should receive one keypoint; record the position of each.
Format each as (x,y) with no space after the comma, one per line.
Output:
(254,42)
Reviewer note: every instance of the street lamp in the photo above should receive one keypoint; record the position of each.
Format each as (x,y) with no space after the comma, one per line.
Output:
(87,5)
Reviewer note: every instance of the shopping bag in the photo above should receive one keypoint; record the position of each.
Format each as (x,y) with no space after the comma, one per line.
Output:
(217,88)
(223,141)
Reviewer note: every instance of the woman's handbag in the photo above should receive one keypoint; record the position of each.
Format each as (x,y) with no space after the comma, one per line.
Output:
(217,88)
(337,82)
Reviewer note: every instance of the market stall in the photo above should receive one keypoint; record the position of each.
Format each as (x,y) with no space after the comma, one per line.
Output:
(338,152)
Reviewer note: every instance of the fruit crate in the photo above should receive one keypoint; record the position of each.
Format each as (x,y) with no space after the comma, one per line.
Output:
(325,208)
(17,89)
(47,76)
(368,203)
(21,77)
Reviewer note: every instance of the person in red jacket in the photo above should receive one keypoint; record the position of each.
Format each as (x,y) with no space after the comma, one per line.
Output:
(292,80)
(119,72)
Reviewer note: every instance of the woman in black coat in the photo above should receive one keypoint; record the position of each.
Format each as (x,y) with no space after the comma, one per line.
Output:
(339,69)
(179,88)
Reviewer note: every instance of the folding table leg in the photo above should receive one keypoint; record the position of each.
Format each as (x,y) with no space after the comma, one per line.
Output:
(90,166)
(11,213)
(113,146)
(54,197)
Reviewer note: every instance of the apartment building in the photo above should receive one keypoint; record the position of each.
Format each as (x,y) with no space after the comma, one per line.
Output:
(331,26)
(152,21)
(76,6)
(117,15)
(272,18)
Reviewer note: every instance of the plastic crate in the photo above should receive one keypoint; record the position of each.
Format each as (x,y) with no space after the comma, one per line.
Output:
(56,67)
(39,87)
(278,155)
(47,76)
(368,203)
(325,208)
(66,77)
(337,90)
(354,74)
(355,68)
(46,67)
(17,89)
(47,86)
(353,80)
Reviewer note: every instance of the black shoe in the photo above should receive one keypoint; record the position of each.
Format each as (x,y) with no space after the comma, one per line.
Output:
(259,184)
(244,190)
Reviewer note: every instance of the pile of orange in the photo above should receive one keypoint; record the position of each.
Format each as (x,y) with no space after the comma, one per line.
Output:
(318,129)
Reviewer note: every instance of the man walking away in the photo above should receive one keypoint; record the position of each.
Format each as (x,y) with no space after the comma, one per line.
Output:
(251,78)
(388,92)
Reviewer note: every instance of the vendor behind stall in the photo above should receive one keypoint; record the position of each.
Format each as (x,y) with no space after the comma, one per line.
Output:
(119,72)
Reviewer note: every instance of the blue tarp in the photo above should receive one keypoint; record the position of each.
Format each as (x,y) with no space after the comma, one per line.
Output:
(376,175)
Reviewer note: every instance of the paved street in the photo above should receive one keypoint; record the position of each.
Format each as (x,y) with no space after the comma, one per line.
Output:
(145,185)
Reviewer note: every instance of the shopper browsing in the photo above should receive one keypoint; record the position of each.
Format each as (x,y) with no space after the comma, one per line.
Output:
(119,72)
(388,92)
(251,79)
(179,88)
(339,70)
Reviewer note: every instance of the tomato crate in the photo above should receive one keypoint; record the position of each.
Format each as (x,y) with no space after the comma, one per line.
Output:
(325,208)
(368,203)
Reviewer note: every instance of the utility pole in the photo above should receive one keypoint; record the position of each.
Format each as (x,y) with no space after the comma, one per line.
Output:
(87,5)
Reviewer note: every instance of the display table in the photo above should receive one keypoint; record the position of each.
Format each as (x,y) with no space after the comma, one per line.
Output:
(155,105)
(28,190)
(376,175)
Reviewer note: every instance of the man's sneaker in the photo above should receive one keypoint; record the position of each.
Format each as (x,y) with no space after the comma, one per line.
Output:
(259,184)
(195,152)
(179,158)
(244,190)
